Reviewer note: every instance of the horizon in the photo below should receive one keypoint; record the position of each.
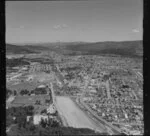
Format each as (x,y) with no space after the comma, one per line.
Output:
(34,22)
(34,43)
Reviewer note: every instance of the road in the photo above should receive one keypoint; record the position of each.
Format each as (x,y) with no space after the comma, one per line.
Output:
(74,116)
(108,89)
(111,129)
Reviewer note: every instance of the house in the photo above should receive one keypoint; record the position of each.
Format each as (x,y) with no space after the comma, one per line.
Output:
(37,118)
(51,109)
(41,86)
(28,118)
(135,132)
(92,90)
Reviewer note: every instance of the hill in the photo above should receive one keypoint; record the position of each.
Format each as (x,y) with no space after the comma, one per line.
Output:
(125,48)
(17,49)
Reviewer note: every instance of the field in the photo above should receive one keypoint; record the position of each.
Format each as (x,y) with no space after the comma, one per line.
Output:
(25,85)
(38,78)
(42,77)
(30,100)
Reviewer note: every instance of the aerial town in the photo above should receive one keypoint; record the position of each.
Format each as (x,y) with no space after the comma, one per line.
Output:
(73,68)
(109,90)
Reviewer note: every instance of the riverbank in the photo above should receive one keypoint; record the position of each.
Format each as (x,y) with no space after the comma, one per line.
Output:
(74,116)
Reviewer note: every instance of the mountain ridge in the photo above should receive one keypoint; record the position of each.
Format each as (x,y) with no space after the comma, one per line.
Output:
(124,48)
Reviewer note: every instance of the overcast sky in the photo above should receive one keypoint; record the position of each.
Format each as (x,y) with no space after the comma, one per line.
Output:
(91,21)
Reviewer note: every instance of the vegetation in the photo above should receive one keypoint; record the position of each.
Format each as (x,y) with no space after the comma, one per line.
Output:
(124,48)
(24,92)
(8,93)
(48,101)
(49,123)
(16,62)
(70,68)
(30,129)
(38,102)
(44,111)
(15,92)
(17,115)
(38,91)
(17,49)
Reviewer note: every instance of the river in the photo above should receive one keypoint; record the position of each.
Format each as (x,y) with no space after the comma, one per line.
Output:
(73,115)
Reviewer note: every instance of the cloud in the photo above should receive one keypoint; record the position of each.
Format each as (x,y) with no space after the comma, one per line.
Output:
(64,25)
(56,27)
(60,26)
(135,31)
(21,27)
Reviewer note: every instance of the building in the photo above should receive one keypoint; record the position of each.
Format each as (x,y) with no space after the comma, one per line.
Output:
(134,132)
(37,119)
(51,109)
(41,86)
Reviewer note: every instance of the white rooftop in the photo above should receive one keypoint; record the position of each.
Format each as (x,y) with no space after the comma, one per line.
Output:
(41,86)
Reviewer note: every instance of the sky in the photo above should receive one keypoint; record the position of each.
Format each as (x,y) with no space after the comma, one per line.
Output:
(71,21)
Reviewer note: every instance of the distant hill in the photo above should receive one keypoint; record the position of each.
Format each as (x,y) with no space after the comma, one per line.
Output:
(125,48)
(16,49)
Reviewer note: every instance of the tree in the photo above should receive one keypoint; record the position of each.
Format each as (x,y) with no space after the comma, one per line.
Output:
(49,122)
(54,123)
(19,125)
(47,101)
(44,111)
(8,93)
(24,92)
(42,123)
(40,133)
(32,128)
(15,92)
(37,102)
(29,110)
(21,120)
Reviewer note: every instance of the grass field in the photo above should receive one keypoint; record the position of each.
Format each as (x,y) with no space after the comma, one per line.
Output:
(42,77)
(38,79)
(30,100)
(24,85)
